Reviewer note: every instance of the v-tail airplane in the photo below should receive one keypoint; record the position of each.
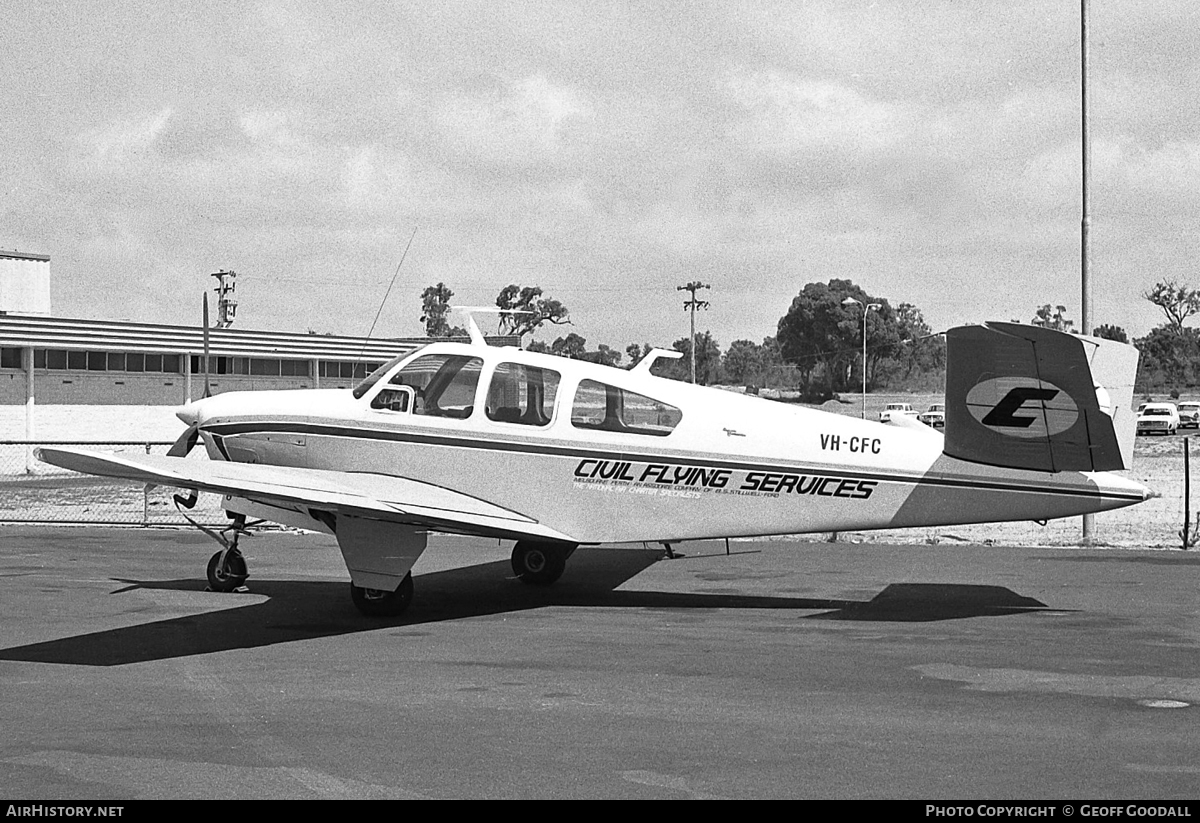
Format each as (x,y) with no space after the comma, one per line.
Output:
(554,453)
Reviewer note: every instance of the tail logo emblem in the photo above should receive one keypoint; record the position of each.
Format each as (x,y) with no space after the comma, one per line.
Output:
(1022,407)
(1002,414)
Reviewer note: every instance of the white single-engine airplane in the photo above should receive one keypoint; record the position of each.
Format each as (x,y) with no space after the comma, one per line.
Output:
(555,453)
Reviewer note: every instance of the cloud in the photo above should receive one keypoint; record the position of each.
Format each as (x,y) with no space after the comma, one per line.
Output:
(118,140)
(526,127)
(792,115)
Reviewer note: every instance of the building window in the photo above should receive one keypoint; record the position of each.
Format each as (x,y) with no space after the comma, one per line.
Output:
(294,368)
(345,369)
(10,358)
(264,368)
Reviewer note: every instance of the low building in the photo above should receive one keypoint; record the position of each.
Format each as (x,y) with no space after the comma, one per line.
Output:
(24,283)
(61,361)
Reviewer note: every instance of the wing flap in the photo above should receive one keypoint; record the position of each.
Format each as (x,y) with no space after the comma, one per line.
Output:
(374,496)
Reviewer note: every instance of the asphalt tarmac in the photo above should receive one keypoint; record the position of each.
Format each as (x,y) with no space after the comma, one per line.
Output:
(785,669)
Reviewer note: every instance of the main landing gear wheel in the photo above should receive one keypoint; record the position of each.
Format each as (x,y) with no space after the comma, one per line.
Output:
(227,570)
(539,564)
(380,603)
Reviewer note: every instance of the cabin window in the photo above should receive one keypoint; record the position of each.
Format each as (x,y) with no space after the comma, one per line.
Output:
(444,385)
(608,408)
(522,394)
(374,377)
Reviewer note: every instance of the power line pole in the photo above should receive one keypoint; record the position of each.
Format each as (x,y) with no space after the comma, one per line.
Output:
(691,305)
(226,302)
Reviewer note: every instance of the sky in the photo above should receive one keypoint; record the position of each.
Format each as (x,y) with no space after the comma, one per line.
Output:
(608,152)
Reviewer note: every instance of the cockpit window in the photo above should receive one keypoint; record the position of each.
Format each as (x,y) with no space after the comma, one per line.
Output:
(443,385)
(608,408)
(522,394)
(374,377)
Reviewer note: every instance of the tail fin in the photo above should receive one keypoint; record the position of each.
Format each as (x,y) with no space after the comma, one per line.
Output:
(1025,397)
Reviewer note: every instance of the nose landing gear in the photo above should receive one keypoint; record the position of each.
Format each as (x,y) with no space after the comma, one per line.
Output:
(227,570)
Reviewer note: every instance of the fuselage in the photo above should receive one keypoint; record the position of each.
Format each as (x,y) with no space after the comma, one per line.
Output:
(608,455)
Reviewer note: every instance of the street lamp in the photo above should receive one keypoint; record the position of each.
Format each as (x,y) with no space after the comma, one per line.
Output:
(866,308)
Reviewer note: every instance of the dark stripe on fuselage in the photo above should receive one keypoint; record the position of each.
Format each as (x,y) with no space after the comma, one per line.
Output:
(600,453)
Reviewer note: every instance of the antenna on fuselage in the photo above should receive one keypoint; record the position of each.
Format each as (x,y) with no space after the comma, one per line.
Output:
(396,274)
(477,338)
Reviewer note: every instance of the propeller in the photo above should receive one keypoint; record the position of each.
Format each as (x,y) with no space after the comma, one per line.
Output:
(186,442)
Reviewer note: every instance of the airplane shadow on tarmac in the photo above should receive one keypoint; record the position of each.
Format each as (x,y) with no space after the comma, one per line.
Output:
(303,610)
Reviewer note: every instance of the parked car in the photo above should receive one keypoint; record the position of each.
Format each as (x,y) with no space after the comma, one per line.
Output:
(1158,418)
(892,410)
(1189,415)
(934,416)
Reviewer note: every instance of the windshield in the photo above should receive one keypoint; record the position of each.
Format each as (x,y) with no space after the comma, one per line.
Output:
(1163,412)
(373,378)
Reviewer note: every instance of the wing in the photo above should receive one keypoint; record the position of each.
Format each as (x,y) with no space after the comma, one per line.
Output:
(356,494)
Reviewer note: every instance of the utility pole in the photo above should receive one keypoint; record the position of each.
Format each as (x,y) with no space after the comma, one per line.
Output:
(691,305)
(226,302)
(1089,520)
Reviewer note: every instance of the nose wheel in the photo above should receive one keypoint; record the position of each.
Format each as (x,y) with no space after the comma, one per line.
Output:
(227,569)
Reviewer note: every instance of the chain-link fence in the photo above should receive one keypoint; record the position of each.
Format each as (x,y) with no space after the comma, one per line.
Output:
(36,492)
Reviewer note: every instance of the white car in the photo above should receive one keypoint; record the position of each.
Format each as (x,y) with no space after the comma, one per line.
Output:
(1158,418)
(1189,415)
(893,410)
(934,416)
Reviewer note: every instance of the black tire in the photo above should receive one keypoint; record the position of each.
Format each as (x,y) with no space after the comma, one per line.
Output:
(539,564)
(230,575)
(379,603)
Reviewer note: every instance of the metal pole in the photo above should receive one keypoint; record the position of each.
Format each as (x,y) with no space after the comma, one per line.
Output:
(146,497)
(1187,495)
(864,364)
(27,356)
(1089,520)
(693,346)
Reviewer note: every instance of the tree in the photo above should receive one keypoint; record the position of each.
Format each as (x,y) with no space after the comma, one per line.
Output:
(1055,318)
(708,360)
(821,333)
(1168,359)
(535,310)
(435,307)
(603,355)
(743,363)
(636,353)
(1111,333)
(918,357)
(1177,302)
(572,346)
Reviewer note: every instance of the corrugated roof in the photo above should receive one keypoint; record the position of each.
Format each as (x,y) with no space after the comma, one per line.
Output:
(119,336)
(21,255)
